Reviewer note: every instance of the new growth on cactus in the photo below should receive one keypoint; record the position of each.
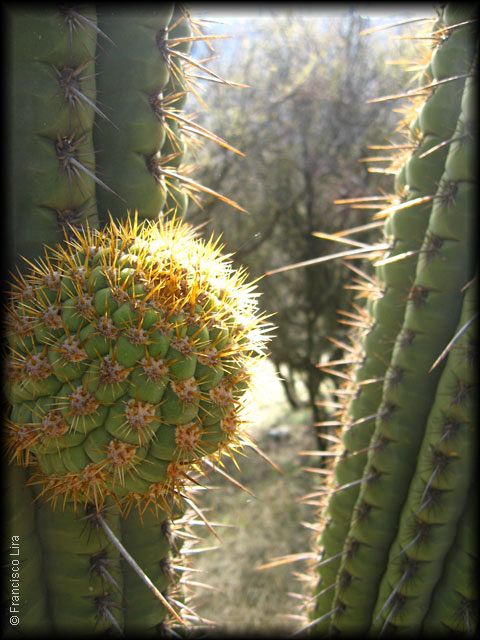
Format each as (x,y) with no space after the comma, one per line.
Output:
(130,351)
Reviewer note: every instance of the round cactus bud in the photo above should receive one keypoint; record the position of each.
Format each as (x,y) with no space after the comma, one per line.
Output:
(130,353)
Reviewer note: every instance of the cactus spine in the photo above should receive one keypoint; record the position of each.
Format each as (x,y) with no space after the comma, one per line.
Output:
(390,467)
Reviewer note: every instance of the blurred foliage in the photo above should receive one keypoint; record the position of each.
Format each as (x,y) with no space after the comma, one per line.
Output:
(304,124)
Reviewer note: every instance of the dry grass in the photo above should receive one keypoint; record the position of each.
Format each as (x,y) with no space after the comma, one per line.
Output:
(260,528)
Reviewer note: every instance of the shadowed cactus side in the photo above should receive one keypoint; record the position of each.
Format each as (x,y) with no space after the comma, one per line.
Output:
(401,483)
(97,364)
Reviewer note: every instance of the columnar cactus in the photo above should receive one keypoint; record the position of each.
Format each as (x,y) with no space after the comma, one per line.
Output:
(130,343)
(401,481)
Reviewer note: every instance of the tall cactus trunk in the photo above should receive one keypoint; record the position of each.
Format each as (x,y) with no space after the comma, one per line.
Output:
(53,108)
(109,331)
(400,483)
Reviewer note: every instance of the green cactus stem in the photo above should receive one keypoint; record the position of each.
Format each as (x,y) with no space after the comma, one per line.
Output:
(133,70)
(409,388)
(92,92)
(425,272)
(153,546)
(52,109)
(404,230)
(84,577)
(438,492)
(454,605)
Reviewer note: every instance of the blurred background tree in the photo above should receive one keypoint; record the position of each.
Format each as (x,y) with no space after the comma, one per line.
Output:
(304,124)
